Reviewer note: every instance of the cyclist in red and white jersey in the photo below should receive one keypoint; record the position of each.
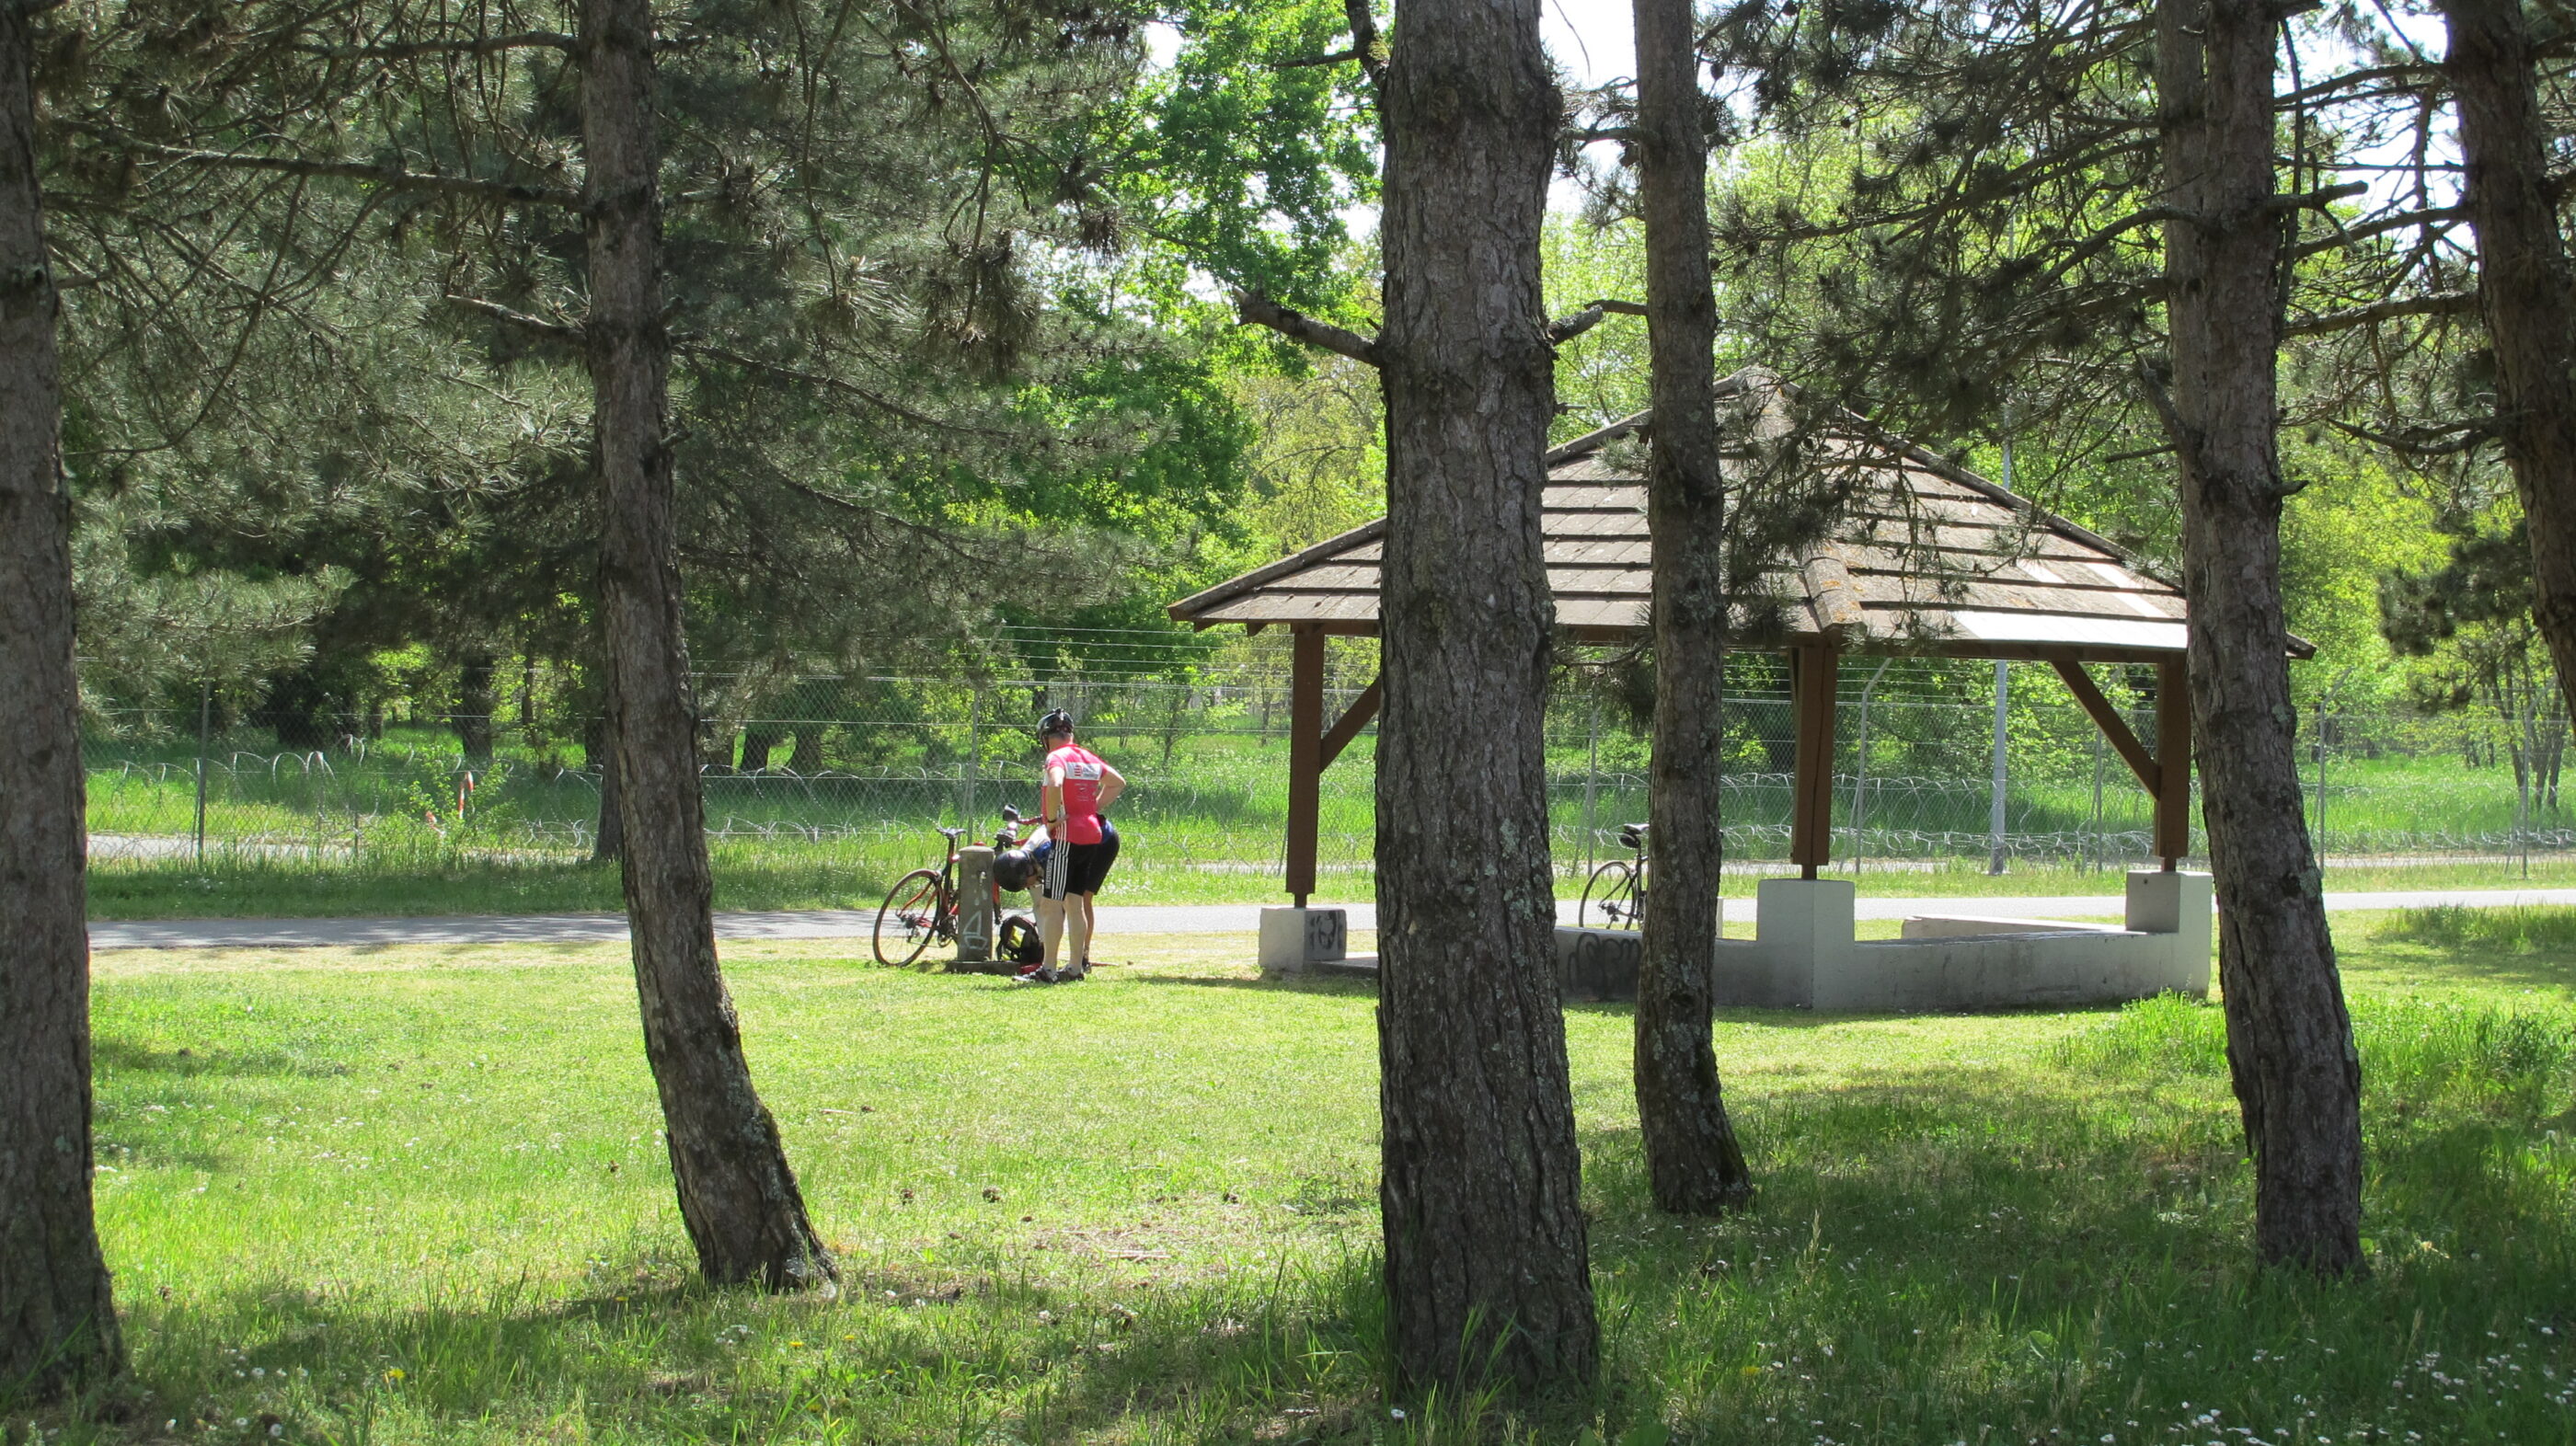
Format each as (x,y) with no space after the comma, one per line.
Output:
(1074,795)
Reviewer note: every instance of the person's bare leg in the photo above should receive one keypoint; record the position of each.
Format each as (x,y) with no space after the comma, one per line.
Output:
(1090,929)
(1051,914)
(1080,918)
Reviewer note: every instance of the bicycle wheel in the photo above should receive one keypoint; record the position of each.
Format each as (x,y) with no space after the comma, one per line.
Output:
(1610,898)
(910,918)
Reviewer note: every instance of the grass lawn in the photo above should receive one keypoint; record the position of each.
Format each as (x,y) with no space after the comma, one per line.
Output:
(246,885)
(415,1194)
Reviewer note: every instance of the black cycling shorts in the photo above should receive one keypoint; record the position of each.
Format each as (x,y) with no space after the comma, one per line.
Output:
(1080,868)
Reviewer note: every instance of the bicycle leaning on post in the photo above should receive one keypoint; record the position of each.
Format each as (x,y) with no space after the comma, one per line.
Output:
(1615,896)
(922,905)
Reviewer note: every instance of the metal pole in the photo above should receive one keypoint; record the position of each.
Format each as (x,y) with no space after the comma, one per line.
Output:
(1591,780)
(2323,754)
(2003,686)
(1995,823)
(2522,783)
(974,749)
(2321,782)
(2095,841)
(205,730)
(1860,772)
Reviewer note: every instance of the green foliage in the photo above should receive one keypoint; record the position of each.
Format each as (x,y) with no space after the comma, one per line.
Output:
(910,375)
(1243,159)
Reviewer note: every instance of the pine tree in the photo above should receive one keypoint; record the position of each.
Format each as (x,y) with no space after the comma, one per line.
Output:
(2526,290)
(2289,1040)
(1692,1159)
(57,1314)
(1486,1256)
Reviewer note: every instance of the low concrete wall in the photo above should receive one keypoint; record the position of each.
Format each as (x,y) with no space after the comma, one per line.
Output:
(1804,955)
(1597,965)
(1950,926)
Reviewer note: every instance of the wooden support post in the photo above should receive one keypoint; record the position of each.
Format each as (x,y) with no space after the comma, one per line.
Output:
(1305,757)
(1813,671)
(2173,762)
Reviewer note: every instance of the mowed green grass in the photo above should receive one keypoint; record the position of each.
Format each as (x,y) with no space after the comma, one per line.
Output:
(417,1195)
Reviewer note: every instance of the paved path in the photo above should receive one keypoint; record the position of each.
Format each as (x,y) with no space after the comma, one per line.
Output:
(1114,919)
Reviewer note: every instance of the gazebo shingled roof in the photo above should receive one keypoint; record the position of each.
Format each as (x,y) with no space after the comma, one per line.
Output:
(1928,558)
(1935,558)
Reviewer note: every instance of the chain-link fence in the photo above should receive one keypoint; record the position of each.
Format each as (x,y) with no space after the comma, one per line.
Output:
(859,769)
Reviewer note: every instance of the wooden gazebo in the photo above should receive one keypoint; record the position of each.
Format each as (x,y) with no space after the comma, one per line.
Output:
(1929,559)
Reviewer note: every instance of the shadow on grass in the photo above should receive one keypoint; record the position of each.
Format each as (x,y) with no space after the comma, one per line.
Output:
(897,1357)
(2404,964)
(1326,984)
(2048,1249)
(2053,1255)
(110,1054)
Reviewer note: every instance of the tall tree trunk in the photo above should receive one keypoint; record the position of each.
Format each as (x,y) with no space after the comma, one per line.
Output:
(1692,1158)
(1486,1258)
(475,706)
(737,1195)
(57,1315)
(608,843)
(807,756)
(2524,289)
(2289,1041)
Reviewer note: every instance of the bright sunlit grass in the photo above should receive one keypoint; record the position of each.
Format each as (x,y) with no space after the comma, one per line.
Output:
(417,1195)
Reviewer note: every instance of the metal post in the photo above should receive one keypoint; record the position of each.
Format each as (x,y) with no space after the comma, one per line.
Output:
(2523,780)
(2094,842)
(974,751)
(1591,780)
(2321,782)
(1995,822)
(2323,703)
(1860,773)
(205,733)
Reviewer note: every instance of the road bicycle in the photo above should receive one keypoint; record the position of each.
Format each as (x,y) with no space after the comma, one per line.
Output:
(1615,896)
(922,906)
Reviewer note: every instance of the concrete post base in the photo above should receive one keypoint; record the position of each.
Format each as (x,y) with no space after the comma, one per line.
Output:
(1301,941)
(1805,927)
(976,917)
(2181,905)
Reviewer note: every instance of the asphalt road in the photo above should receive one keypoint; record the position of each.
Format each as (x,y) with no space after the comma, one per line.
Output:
(1114,919)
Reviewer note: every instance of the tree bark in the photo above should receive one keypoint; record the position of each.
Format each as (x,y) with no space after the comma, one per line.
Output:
(2524,289)
(738,1197)
(1486,1265)
(2289,1040)
(1692,1158)
(57,1313)
(475,707)
(608,843)
(807,756)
